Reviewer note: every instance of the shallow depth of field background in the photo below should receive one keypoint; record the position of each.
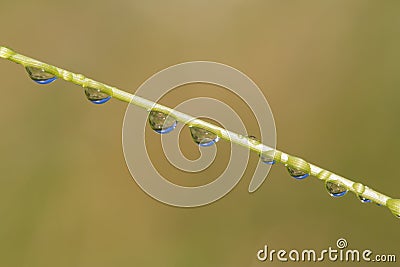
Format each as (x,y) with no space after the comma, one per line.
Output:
(329,69)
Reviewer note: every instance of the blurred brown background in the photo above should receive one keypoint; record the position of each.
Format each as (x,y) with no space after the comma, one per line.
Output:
(329,70)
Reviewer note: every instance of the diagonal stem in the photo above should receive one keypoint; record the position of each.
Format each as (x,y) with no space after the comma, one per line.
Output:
(289,161)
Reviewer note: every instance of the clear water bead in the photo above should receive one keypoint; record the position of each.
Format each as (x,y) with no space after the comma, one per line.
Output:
(40,76)
(203,137)
(335,189)
(161,122)
(295,173)
(266,156)
(364,200)
(96,96)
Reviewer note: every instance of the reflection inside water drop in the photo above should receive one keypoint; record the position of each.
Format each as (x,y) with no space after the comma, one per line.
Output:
(161,122)
(265,157)
(40,76)
(96,96)
(203,137)
(335,189)
(295,173)
(364,200)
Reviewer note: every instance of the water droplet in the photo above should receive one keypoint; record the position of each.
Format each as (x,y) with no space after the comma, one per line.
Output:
(335,189)
(203,137)
(96,96)
(298,174)
(265,157)
(40,76)
(298,168)
(364,200)
(161,122)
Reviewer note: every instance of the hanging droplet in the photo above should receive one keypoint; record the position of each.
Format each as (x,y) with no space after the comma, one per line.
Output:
(161,122)
(203,137)
(335,189)
(298,174)
(265,157)
(40,76)
(96,96)
(364,200)
(301,170)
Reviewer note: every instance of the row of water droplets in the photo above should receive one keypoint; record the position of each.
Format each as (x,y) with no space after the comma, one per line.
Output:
(163,123)
(42,77)
(334,188)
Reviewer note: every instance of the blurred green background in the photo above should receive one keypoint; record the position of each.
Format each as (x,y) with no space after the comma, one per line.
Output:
(329,69)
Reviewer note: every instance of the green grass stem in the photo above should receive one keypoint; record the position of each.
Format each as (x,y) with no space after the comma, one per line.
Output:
(291,161)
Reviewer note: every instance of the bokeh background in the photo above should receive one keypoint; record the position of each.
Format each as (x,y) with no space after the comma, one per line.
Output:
(329,69)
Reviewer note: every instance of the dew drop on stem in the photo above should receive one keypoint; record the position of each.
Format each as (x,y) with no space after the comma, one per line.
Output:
(96,96)
(203,137)
(161,123)
(335,189)
(40,76)
(295,173)
(265,157)
(364,200)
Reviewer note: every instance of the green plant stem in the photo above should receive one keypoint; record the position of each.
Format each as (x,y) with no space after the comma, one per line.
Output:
(290,161)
